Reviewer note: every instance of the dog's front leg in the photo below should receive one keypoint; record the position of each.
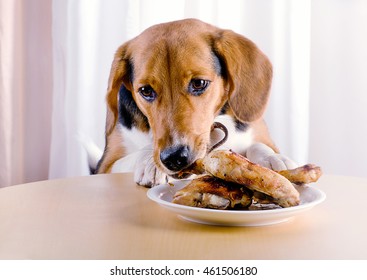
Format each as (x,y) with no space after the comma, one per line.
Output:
(262,154)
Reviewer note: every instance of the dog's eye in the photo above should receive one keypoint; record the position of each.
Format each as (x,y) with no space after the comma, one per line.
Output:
(148,93)
(198,86)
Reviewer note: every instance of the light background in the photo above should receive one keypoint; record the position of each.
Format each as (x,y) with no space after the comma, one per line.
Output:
(55,58)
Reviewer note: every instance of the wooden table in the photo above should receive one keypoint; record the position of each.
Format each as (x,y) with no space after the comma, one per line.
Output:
(109,217)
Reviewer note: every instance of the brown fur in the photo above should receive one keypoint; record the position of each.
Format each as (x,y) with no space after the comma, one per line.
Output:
(167,57)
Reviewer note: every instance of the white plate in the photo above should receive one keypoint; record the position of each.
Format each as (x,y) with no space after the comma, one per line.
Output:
(162,194)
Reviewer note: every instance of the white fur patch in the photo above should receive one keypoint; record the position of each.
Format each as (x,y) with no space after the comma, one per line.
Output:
(134,139)
(238,141)
(94,153)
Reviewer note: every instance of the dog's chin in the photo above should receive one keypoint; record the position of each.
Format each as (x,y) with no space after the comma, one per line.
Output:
(182,174)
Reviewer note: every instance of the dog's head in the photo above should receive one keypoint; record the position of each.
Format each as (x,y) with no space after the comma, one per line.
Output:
(178,76)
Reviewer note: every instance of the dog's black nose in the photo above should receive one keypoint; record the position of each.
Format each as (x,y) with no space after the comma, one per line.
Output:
(175,158)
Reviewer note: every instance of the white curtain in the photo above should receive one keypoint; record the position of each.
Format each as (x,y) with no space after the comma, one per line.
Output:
(55,58)
(338,83)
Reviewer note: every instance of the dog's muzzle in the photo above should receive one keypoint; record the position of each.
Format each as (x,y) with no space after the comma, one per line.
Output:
(176,158)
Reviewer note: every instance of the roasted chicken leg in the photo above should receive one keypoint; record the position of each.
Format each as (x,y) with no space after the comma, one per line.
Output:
(232,167)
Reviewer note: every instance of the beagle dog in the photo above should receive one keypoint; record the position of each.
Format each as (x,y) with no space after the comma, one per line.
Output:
(169,85)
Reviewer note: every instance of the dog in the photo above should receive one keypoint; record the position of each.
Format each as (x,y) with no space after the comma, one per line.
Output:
(168,86)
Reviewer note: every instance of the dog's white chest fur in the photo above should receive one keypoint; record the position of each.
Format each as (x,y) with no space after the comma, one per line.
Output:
(238,141)
(138,147)
(134,139)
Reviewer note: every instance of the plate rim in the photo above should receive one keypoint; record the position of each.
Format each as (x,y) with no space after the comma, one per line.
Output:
(159,200)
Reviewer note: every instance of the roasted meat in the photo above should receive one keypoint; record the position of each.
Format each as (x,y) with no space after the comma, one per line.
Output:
(211,192)
(305,174)
(233,167)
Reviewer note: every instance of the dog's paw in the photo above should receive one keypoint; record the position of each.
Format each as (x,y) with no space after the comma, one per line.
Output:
(147,174)
(261,154)
(277,162)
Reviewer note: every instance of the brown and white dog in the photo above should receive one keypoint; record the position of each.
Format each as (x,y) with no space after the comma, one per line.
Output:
(166,88)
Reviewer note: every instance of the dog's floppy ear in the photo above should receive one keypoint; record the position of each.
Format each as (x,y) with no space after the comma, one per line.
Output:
(248,73)
(120,74)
